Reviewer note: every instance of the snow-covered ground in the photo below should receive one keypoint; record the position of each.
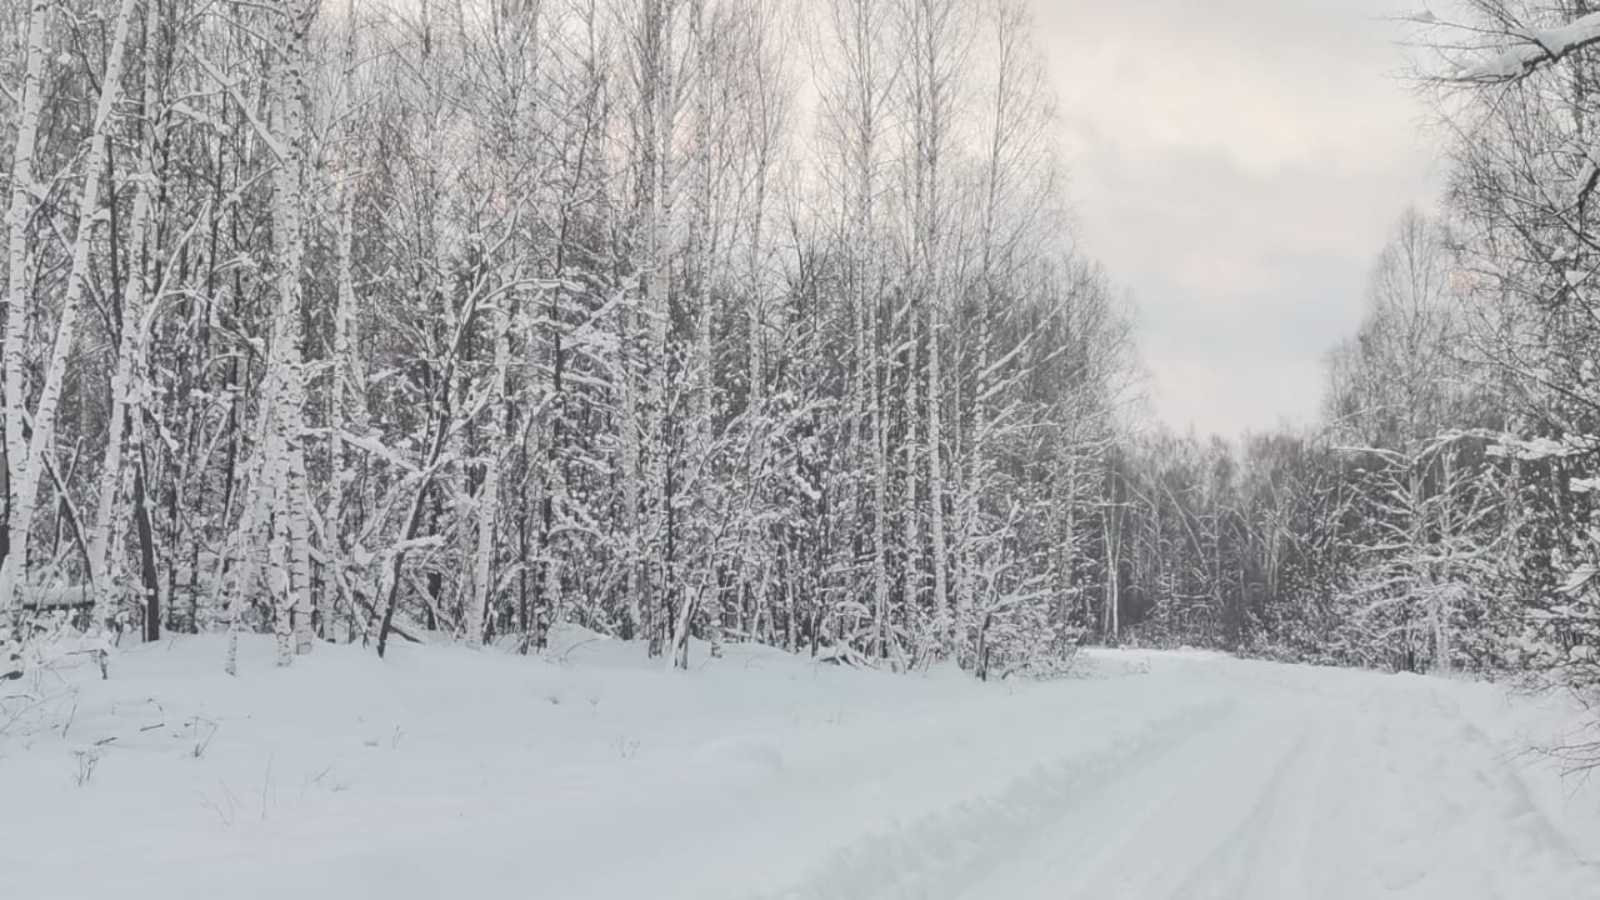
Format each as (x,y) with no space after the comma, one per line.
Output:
(591,773)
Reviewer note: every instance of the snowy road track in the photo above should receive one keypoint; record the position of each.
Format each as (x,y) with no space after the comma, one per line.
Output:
(1165,777)
(1287,790)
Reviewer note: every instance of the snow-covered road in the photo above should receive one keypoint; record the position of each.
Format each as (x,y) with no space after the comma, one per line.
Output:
(1294,794)
(449,774)
(1259,783)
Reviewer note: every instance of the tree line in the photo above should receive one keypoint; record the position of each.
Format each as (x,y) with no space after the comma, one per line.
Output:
(1441,513)
(723,319)
(742,320)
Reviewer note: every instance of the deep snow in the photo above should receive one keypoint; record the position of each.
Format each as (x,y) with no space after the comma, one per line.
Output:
(592,773)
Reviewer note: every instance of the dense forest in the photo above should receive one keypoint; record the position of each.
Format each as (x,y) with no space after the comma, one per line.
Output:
(744,320)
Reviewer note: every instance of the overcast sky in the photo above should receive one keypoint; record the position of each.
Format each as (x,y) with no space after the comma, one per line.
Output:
(1236,164)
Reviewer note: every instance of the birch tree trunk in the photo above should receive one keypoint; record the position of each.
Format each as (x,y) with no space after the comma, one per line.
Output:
(275,511)
(14,569)
(1113,543)
(44,416)
(345,377)
(289,238)
(659,105)
(913,553)
(488,507)
(701,555)
(127,382)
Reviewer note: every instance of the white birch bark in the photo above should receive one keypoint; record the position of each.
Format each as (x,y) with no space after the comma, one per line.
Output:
(126,387)
(706,554)
(1112,523)
(488,507)
(913,555)
(651,538)
(699,557)
(44,416)
(14,570)
(767,109)
(288,235)
(345,376)
(956,636)
(931,37)
(864,93)
(275,512)
(632,474)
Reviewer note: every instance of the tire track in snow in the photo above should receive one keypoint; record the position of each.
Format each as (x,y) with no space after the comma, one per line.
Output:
(1257,861)
(1176,831)
(941,854)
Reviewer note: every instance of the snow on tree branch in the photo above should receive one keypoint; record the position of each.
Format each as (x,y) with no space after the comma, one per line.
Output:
(1532,49)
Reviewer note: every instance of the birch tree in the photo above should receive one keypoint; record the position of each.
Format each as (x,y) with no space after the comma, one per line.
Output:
(29,462)
(19,212)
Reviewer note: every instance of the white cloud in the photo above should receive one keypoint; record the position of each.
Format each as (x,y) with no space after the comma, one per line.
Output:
(1233,397)
(1237,163)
